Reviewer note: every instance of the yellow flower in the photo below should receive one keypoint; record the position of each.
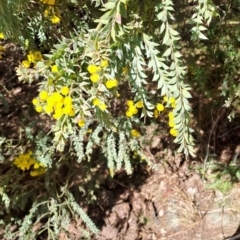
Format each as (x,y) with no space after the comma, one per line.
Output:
(171,124)
(72,113)
(38,172)
(38,165)
(160,107)
(129,103)
(102,106)
(96,102)
(67,101)
(55,98)
(58,97)
(165,99)
(156,113)
(57,104)
(43,95)
(135,133)
(170,115)
(104,63)
(37,56)
(31,57)
(173,132)
(129,114)
(172,101)
(139,104)
(94,77)
(68,110)
(133,109)
(111,83)
(54,68)
(58,113)
(51,100)
(48,109)
(39,108)
(81,123)
(1,35)
(65,91)
(35,101)
(24,161)
(93,68)
(26,64)
(55,19)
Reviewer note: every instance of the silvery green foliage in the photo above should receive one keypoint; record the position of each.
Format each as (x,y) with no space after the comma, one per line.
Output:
(77,209)
(116,146)
(77,140)
(145,51)
(124,153)
(152,55)
(44,150)
(120,158)
(111,151)
(25,22)
(119,146)
(93,140)
(203,13)
(26,227)
(58,214)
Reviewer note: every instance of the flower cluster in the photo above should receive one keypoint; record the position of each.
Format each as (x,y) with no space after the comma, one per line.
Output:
(171,124)
(1,35)
(27,162)
(96,72)
(81,122)
(100,104)
(53,17)
(158,108)
(133,107)
(54,68)
(57,104)
(111,83)
(32,58)
(52,13)
(170,101)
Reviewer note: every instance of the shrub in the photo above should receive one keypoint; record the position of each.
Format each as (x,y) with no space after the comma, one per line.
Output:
(103,70)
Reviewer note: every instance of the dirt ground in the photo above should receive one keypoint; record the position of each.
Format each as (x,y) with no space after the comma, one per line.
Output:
(175,198)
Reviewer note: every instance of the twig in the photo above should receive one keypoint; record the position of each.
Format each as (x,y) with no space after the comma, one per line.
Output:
(226,133)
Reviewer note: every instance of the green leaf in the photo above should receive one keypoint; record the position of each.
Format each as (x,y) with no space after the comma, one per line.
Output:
(186,94)
(167,52)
